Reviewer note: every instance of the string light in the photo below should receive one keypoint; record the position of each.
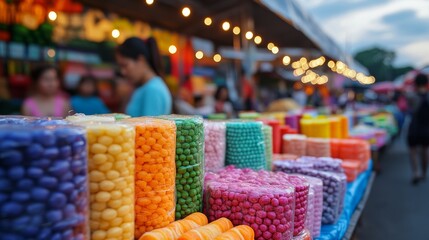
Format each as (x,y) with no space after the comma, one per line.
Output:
(217,57)
(236,30)
(186,11)
(331,64)
(270,46)
(286,60)
(199,54)
(115,33)
(275,50)
(51,53)
(172,49)
(249,35)
(149,2)
(226,26)
(258,39)
(52,15)
(208,21)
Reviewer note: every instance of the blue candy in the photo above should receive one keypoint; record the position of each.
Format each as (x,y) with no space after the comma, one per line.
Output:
(21,221)
(56,237)
(39,194)
(35,151)
(41,163)
(2,172)
(54,216)
(16,172)
(45,233)
(35,208)
(3,197)
(68,235)
(59,168)
(48,182)
(6,144)
(51,153)
(21,197)
(23,137)
(5,185)
(77,166)
(10,157)
(46,138)
(79,181)
(25,184)
(66,187)
(37,220)
(67,177)
(10,236)
(79,146)
(69,210)
(35,172)
(11,209)
(57,200)
(65,151)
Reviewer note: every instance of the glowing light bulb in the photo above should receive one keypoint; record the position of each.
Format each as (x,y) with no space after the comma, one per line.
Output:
(249,35)
(286,60)
(115,33)
(172,49)
(208,21)
(186,11)
(258,39)
(270,46)
(149,2)
(236,30)
(217,57)
(199,54)
(226,26)
(52,15)
(275,50)
(51,53)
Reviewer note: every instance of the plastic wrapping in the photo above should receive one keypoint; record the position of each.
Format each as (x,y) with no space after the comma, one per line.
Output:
(241,232)
(309,221)
(155,174)
(116,116)
(352,169)
(324,163)
(209,231)
(268,139)
(314,217)
(305,235)
(189,164)
(82,118)
(245,146)
(355,149)
(43,182)
(318,147)
(295,144)
(215,145)
(111,165)
(334,187)
(267,209)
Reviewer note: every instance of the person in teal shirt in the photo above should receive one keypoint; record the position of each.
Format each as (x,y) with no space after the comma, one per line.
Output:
(140,62)
(87,100)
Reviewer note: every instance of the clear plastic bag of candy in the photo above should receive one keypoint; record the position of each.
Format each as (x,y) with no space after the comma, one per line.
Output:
(245,147)
(43,182)
(215,145)
(334,188)
(295,144)
(155,173)
(318,147)
(111,165)
(324,163)
(268,209)
(189,164)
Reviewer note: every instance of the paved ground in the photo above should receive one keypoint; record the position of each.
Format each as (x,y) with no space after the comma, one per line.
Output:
(396,210)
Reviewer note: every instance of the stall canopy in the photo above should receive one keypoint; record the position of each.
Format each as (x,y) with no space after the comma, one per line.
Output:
(279,21)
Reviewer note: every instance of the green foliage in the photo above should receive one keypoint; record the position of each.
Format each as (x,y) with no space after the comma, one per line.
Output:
(379,63)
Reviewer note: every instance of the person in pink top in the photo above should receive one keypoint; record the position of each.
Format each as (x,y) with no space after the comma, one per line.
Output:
(47,99)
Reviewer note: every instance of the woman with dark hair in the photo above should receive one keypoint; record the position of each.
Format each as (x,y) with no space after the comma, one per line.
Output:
(222,104)
(87,101)
(140,63)
(418,131)
(46,100)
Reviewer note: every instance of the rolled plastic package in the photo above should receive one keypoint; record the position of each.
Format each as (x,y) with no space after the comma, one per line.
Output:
(43,182)
(295,144)
(241,232)
(351,168)
(318,147)
(267,209)
(189,164)
(82,118)
(215,145)
(155,173)
(334,188)
(309,221)
(111,165)
(209,231)
(324,163)
(268,139)
(245,146)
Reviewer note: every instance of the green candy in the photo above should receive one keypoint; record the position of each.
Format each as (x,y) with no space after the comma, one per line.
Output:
(189,163)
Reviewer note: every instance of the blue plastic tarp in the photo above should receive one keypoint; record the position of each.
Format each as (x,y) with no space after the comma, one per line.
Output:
(355,192)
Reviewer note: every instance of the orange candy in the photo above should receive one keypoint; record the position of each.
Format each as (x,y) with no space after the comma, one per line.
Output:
(177,228)
(155,173)
(242,232)
(209,231)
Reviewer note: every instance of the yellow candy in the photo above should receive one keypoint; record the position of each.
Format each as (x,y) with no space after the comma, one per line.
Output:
(107,186)
(98,206)
(115,232)
(114,149)
(99,158)
(98,235)
(116,194)
(111,175)
(115,203)
(102,197)
(96,176)
(93,187)
(105,140)
(124,210)
(109,214)
(98,148)
(106,167)
(113,132)
(116,222)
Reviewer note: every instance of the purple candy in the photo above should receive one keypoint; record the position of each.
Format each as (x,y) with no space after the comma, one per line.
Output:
(57,200)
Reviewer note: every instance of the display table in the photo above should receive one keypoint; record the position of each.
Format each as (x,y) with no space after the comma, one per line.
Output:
(355,196)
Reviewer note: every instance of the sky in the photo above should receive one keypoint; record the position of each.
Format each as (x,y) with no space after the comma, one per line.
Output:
(398,25)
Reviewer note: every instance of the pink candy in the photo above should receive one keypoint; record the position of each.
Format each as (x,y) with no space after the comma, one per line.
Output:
(215,144)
